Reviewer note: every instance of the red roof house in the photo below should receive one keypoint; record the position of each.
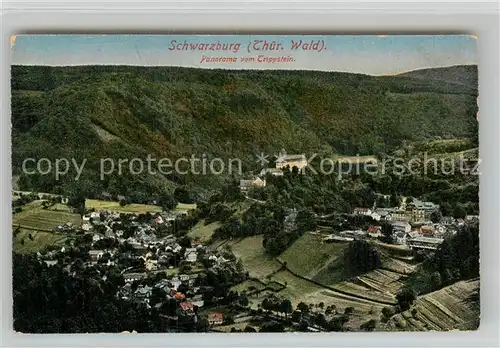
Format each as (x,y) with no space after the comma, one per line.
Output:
(215,318)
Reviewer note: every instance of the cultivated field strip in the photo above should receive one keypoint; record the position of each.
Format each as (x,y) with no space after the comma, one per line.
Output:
(446,309)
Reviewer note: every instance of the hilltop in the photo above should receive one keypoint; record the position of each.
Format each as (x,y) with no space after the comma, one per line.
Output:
(96,112)
(459,74)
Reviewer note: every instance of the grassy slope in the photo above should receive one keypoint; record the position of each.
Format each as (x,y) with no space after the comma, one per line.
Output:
(115,206)
(203,232)
(309,255)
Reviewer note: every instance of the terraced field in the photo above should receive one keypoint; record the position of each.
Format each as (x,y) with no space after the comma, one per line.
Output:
(383,280)
(313,277)
(34,217)
(38,223)
(21,242)
(450,308)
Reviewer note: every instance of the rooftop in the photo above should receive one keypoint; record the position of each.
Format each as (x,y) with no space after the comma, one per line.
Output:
(287,158)
(428,240)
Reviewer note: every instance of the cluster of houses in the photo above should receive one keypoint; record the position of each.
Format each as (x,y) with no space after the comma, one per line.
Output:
(283,161)
(415,212)
(411,225)
(159,254)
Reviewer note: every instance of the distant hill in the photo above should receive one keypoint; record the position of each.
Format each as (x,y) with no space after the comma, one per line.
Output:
(460,74)
(125,112)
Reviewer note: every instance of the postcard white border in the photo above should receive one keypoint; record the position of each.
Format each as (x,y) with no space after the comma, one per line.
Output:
(279,17)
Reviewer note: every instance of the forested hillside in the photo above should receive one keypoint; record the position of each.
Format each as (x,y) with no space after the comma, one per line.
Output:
(96,112)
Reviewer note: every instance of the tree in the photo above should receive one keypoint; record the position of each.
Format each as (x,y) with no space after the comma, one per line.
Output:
(405,298)
(459,211)
(388,232)
(348,310)
(272,327)
(369,325)
(303,307)
(77,202)
(249,329)
(167,202)
(286,307)
(361,256)
(243,301)
(414,313)
(436,280)
(446,209)
(182,194)
(387,312)
(436,216)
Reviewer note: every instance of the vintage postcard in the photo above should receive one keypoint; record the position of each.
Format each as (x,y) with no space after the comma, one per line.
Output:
(244,183)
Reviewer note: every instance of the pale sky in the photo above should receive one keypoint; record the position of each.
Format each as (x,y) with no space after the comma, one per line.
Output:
(367,54)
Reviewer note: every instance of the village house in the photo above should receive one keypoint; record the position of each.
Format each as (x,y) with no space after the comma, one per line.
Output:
(184,277)
(143,293)
(121,198)
(97,237)
(190,255)
(376,216)
(415,215)
(401,226)
(215,318)
(333,238)
(374,231)
(246,185)
(51,263)
(178,295)
(399,215)
(174,283)
(353,234)
(186,309)
(427,230)
(109,232)
(299,161)
(384,213)
(362,211)
(175,248)
(448,220)
(95,255)
(126,291)
(86,227)
(427,207)
(425,243)
(440,229)
(272,171)
(471,217)
(413,234)
(151,265)
(132,277)
(400,237)
(198,301)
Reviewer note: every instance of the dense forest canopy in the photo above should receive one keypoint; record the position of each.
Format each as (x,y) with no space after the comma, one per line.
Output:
(95,112)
